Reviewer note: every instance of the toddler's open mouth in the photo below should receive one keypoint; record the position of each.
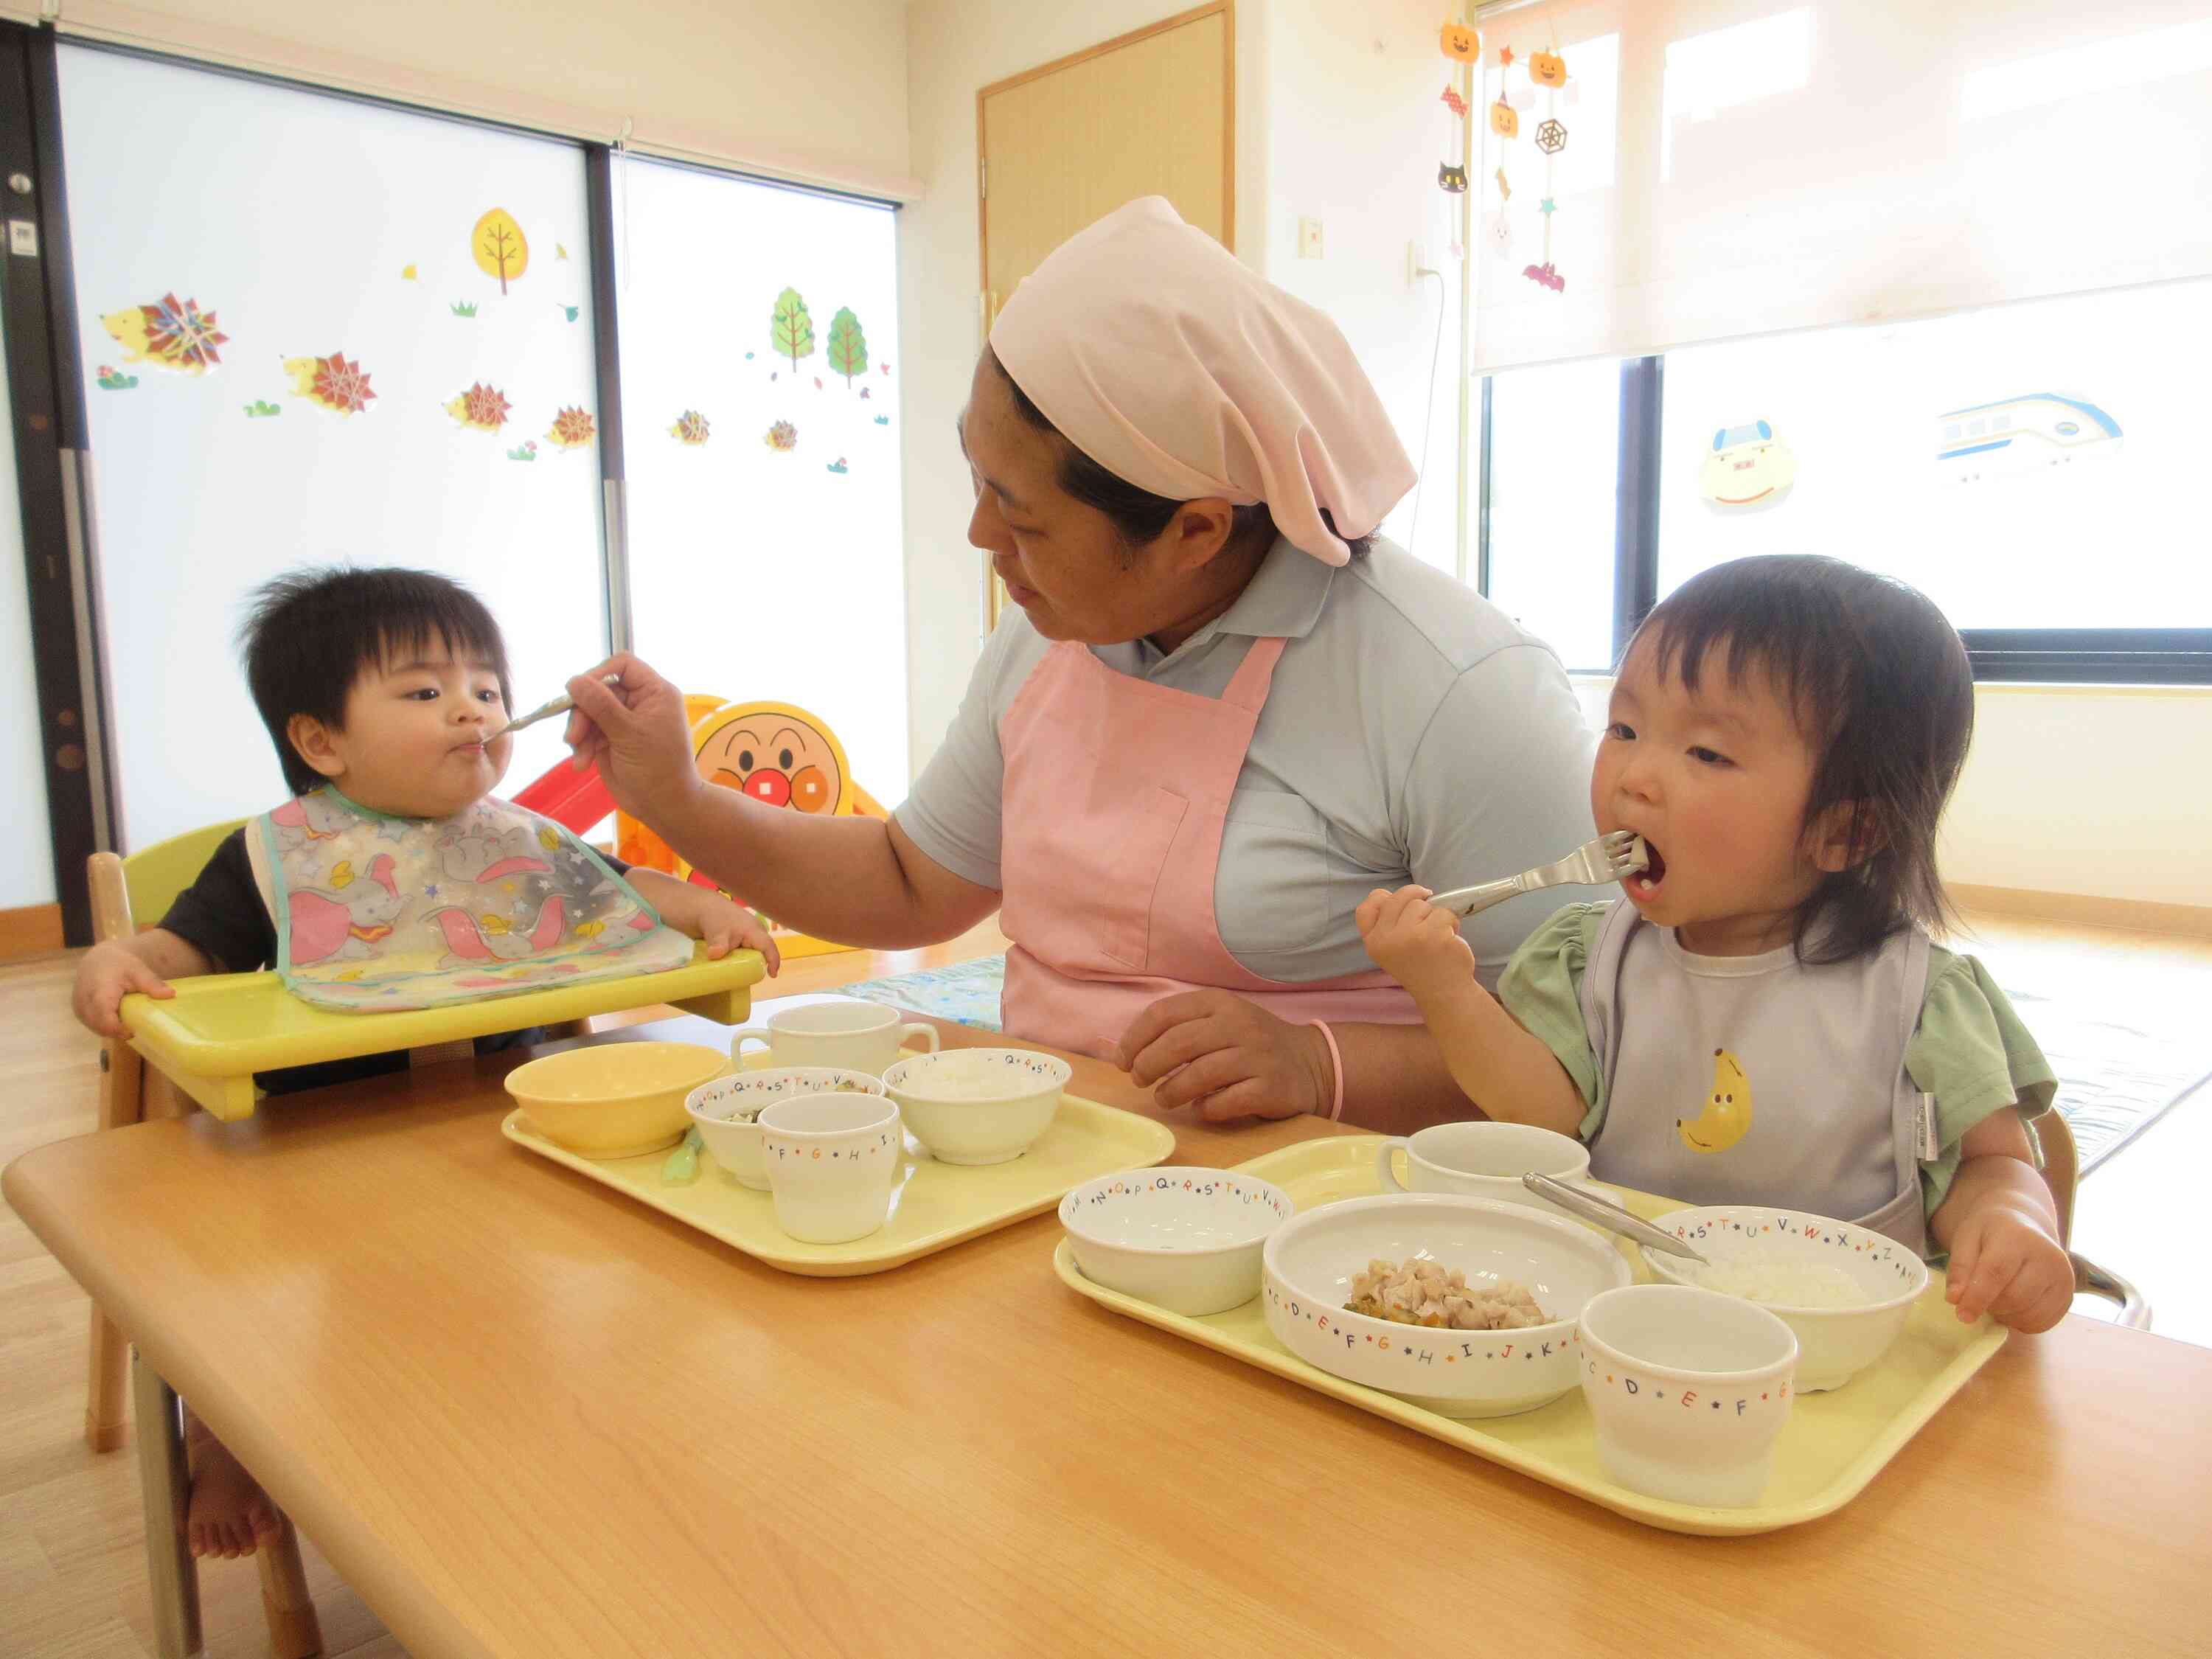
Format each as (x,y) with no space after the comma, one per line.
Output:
(1645,883)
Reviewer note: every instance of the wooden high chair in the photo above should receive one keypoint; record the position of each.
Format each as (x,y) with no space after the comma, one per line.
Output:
(147,883)
(2062,1171)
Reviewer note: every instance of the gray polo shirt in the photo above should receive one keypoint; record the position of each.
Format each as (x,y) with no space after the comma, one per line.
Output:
(1413,733)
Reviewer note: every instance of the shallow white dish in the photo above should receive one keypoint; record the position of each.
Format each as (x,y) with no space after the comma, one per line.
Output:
(735,1140)
(1188,1240)
(978,1105)
(1834,1345)
(1308,1264)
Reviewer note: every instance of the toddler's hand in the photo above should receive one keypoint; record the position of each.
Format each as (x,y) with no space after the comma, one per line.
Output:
(724,927)
(2004,1262)
(107,975)
(1412,941)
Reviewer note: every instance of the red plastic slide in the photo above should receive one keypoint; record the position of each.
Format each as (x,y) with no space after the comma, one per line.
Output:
(575,801)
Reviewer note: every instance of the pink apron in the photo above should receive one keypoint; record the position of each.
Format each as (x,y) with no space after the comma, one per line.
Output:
(1116,794)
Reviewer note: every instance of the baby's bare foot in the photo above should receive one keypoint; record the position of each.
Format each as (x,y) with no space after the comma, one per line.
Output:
(228,1515)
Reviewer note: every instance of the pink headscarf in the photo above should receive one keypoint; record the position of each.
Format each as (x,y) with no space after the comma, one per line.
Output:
(1159,356)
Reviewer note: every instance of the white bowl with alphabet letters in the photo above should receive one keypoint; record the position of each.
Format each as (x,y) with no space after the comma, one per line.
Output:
(1310,1262)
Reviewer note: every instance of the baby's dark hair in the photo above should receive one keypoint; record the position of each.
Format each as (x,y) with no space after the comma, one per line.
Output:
(1884,695)
(310,634)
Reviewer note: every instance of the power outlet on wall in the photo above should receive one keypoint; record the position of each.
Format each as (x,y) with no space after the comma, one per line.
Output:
(1417,261)
(1309,239)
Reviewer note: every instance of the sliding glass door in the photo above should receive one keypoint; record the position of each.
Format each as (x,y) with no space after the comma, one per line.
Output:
(760,373)
(316,331)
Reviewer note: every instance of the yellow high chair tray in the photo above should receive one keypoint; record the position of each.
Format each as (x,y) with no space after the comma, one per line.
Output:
(220,1029)
(1832,1445)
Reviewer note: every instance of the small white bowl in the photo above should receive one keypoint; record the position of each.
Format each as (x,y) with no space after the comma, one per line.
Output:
(1188,1240)
(1687,1389)
(1308,1265)
(727,1110)
(978,1105)
(1834,1344)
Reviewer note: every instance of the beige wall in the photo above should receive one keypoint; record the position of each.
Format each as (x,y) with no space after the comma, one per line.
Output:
(713,77)
(955,48)
(1331,101)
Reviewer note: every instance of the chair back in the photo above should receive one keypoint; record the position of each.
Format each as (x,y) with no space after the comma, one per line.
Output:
(129,893)
(2062,1166)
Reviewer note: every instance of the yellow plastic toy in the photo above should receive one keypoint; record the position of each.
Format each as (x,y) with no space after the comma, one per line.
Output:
(774,752)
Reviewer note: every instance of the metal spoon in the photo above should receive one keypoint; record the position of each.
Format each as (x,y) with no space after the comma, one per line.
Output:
(546,710)
(1607,1214)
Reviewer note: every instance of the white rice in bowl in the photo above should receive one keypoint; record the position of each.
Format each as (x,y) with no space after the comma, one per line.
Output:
(1788,1283)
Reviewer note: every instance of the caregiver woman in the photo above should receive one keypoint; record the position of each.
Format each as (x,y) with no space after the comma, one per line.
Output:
(1222,714)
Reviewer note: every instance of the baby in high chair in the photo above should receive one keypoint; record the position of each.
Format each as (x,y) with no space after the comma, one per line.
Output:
(1765,1018)
(393,878)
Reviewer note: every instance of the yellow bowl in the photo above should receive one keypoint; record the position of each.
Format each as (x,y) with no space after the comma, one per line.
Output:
(615,1099)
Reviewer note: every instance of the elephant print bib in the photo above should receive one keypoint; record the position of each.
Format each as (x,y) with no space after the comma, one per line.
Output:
(375,914)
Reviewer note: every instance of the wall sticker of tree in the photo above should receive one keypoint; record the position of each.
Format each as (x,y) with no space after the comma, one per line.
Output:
(790,330)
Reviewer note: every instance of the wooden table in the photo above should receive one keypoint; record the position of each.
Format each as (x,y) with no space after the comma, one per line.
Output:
(524,1416)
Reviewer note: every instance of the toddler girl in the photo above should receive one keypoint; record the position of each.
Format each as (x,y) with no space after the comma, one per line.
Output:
(1765,1018)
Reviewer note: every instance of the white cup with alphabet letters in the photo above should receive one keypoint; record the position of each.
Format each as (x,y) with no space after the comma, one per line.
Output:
(847,1032)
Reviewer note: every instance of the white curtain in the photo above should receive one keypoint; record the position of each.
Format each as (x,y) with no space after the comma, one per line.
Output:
(1733,168)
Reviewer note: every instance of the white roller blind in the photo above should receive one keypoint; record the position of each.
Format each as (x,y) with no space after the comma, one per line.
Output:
(1733,168)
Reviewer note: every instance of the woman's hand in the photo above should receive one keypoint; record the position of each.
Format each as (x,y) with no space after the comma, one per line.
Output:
(635,732)
(1228,1057)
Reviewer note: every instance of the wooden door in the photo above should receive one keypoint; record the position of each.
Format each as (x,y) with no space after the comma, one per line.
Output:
(1149,113)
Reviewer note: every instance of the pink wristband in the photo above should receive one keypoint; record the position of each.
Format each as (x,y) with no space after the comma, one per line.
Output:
(1336,1063)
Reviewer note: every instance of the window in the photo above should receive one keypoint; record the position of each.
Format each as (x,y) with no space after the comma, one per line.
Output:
(2032,468)
(760,419)
(1554,447)
(293,351)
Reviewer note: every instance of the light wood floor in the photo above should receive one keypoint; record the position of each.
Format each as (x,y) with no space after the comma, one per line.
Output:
(72,1572)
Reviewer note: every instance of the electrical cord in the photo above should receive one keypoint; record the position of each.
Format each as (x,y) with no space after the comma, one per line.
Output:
(1428,410)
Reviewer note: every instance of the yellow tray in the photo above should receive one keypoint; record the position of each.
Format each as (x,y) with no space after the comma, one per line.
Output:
(220,1029)
(1834,1444)
(932,1204)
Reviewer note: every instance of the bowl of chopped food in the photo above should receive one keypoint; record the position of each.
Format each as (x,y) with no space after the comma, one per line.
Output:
(978,1105)
(1188,1240)
(727,1110)
(1464,1306)
(1846,1291)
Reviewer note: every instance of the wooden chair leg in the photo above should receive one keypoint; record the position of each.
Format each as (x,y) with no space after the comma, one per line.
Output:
(294,1630)
(106,1415)
(163,1099)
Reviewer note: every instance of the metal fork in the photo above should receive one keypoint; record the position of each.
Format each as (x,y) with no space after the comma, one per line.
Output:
(1594,864)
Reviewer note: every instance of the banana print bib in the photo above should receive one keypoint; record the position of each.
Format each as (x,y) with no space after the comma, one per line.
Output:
(376,914)
(1759,1079)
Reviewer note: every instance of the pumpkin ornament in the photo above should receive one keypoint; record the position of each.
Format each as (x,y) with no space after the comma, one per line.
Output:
(1549,70)
(1459,43)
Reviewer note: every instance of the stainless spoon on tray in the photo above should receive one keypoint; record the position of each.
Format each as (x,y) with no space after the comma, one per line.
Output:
(1604,1213)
